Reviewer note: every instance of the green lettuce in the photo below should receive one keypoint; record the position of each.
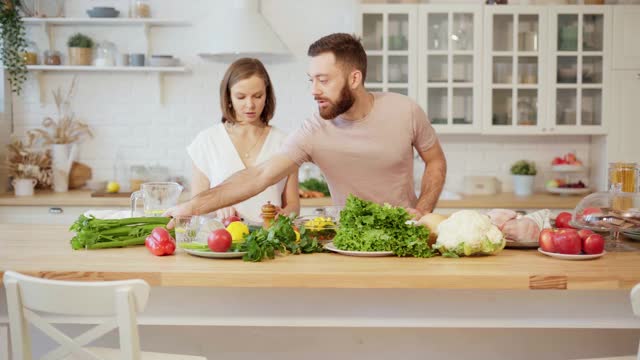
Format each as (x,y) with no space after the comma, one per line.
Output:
(367,226)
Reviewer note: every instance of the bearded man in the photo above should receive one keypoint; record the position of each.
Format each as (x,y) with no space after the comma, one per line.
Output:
(363,142)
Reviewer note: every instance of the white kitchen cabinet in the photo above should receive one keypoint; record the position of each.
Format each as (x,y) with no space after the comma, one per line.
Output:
(515,66)
(389,38)
(626,29)
(580,55)
(622,141)
(449,66)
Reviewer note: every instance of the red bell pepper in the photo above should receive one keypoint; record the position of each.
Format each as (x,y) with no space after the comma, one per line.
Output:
(160,242)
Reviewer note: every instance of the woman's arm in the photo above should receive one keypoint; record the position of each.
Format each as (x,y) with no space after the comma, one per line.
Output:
(290,195)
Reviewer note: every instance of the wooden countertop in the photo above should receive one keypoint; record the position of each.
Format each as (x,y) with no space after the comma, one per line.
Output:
(503,200)
(44,250)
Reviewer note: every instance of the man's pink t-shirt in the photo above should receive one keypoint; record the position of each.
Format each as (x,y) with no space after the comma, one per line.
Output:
(371,158)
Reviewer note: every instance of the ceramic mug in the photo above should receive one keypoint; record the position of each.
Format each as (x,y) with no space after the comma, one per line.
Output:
(24,187)
(136,59)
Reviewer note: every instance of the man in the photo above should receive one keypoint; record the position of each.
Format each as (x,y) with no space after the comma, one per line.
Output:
(363,142)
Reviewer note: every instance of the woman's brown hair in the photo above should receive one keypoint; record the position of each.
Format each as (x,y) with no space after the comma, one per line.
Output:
(242,69)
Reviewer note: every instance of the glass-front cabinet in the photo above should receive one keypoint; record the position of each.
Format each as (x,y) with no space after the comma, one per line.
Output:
(579,60)
(388,36)
(494,69)
(449,66)
(514,69)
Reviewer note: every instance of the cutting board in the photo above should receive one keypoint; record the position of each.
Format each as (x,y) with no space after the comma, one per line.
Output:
(107,194)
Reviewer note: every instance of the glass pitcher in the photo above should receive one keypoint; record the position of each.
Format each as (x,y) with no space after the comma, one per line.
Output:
(158,197)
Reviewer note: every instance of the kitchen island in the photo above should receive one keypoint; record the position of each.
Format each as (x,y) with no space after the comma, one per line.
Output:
(350,301)
(63,208)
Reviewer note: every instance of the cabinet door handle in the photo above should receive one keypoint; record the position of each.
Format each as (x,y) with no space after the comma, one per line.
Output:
(638,76)
(55,210)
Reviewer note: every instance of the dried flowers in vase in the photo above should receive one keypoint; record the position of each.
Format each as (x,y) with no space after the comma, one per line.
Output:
(27,162)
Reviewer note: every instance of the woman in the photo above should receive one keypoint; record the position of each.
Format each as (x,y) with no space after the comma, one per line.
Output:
(242,140)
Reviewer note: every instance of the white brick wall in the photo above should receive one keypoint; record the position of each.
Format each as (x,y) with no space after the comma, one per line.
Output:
(122,108)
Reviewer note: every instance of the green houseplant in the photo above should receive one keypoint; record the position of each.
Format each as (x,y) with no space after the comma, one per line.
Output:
(80,49)
(14,44)
(523,173)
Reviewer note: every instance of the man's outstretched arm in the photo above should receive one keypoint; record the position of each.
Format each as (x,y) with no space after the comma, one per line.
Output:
(238,187)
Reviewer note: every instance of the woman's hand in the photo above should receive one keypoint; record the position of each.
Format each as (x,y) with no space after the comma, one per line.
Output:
(226,212)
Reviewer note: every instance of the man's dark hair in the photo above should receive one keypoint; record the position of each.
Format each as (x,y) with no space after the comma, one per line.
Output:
(346,48)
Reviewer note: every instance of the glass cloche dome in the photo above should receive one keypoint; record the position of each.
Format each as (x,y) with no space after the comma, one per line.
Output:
(612,212)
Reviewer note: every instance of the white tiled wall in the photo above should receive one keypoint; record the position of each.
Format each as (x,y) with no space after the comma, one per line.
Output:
(122,108)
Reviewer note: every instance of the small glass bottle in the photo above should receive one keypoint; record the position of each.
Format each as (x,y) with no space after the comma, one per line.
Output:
(30,55)
(268,211)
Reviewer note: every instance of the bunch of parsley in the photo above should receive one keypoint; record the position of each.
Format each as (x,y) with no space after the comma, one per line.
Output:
(279,237)
(367,226)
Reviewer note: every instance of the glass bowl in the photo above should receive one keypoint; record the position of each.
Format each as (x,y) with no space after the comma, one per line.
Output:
(611,212)
(323,228)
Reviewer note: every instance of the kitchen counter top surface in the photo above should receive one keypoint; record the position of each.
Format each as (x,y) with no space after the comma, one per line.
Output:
(44,250)
(503,200)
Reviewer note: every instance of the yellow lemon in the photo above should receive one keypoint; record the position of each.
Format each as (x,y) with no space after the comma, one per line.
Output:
(113,187)
(238,231)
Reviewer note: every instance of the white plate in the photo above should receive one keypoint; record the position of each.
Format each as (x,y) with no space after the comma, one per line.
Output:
(572,257)
(329,246)
(510,244)
(568,168)
(568,191)
(216,255)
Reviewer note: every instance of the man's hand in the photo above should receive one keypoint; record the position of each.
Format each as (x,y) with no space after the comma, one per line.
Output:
(184,209)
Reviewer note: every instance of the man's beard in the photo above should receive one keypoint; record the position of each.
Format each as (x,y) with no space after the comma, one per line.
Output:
(344,103)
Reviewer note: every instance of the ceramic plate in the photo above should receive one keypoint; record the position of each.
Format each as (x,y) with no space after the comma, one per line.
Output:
(329,246)
(510,244)
(571,257)
(568,191)
(216,255)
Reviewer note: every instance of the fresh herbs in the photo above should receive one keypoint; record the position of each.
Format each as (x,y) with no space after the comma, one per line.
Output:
(280,237)
(367,226)
(92,233)
(313,184)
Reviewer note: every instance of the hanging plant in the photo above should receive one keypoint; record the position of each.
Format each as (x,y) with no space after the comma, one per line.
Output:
(14,43)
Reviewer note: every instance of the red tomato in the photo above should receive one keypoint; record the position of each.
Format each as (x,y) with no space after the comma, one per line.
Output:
(219,240)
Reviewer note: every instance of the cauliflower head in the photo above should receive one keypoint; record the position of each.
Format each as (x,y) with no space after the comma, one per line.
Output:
(468,232)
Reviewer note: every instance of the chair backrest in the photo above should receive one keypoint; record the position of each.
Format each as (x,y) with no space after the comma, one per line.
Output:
(635,305)
(120,300)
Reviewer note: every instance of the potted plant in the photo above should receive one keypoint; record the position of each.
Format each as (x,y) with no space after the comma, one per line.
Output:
(523,172)
(80,49)
(63,134)
(14,44)
(28,167)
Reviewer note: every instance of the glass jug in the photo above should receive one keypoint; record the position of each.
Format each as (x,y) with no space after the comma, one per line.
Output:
(158,197)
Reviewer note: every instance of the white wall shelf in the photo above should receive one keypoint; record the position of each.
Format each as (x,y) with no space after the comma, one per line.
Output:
(142,69)
(104,21)
(159,72)
(146,24)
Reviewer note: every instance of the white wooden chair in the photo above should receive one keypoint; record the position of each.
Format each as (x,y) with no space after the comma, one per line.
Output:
(119,301)
(635,305)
